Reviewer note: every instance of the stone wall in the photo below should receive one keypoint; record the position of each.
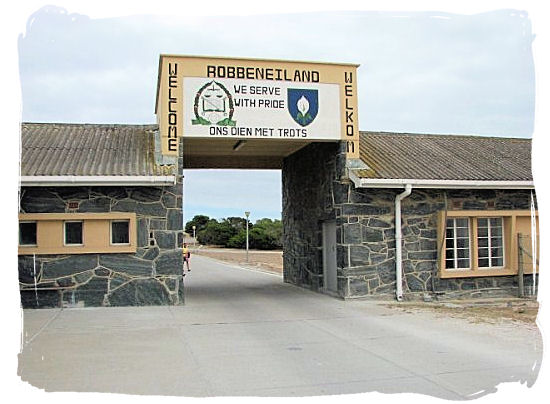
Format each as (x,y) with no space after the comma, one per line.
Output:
(370,239)
(315,189)
(310,180)
(151,276)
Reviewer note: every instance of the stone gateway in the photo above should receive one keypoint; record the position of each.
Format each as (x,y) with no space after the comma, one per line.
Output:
(365,214)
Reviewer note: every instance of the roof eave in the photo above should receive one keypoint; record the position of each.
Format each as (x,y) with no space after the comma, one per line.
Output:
(440,184)
(96,180)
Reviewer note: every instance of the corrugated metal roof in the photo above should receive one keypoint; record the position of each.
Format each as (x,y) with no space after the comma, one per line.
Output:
(59,149)
(444,157)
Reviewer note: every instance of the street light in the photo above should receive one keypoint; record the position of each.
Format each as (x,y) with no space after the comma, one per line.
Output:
(194,239)
(247,214)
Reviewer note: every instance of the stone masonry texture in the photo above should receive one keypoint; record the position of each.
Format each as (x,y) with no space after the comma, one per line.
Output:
(315,189)
(151,276)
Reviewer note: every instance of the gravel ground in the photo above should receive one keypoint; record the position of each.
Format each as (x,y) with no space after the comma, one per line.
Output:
(271,261)
(495,311)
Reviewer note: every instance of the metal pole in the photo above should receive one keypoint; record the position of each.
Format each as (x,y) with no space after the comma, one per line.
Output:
(246,214)
(194,239)
(521,288)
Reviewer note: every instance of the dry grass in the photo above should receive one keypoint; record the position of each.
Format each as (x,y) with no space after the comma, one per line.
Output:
(493,311)
(271,261)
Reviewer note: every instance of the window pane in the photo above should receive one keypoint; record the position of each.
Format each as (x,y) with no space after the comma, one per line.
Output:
(462,253)
(483,263)
(497,262)
(496,242)
(449,264)
(463,263)
(483,242)
(482,223)
(496,231)
(462,232)
(73,233)
(450,254)
(120,232)
(496,252)
(462,223)
(482,232)
(462,243)
(495,222)
(27,233)
(483,252)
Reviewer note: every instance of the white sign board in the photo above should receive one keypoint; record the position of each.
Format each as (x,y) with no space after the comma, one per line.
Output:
(261,109)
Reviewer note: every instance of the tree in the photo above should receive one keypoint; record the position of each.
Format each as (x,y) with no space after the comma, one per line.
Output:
(200,221)
(265,234)
(238,223)
(216,233)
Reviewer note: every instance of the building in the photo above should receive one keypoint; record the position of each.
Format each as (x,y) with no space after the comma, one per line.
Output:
(365,214)
(100,217)
(463,202)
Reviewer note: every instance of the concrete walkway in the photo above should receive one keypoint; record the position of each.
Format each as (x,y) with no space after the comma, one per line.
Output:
(246,333)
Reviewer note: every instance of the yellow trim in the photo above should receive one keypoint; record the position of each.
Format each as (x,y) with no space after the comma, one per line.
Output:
(510,246)
(96,233)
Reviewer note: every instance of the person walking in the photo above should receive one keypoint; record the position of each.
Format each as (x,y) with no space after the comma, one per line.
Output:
(186,258)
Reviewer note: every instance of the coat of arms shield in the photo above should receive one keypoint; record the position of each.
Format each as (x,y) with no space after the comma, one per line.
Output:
(303,105)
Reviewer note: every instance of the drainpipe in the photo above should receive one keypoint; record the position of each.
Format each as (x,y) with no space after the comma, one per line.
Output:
(398,242)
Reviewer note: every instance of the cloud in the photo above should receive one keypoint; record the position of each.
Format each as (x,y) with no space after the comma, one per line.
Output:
(450,74)
(421,72)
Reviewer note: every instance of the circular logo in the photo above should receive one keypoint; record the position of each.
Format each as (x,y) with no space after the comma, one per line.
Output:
(213,105)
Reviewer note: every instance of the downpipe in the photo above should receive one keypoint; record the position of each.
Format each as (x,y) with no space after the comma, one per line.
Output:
(398,243)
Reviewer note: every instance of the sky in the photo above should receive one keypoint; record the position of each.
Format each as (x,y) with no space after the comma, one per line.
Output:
(420,72)
(467,69)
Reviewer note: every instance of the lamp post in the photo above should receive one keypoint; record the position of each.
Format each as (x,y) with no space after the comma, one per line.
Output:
(247,214)
(194,239)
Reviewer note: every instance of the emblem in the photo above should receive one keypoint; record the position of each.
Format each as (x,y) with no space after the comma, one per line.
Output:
(303,105)
(213,105)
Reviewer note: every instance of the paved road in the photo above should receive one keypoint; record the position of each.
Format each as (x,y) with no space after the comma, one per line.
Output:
(246,333)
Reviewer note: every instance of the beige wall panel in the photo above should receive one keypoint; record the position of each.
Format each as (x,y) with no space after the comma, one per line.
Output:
(523,227)
(96,233)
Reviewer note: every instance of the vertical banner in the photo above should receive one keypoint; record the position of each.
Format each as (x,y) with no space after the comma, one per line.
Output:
(350,121)
(169,107)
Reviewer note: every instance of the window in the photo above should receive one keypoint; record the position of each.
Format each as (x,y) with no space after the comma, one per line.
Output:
(77,233)
(457,244)
(73,233)
(120,232)
(27,233)
(490,243)
(483,242)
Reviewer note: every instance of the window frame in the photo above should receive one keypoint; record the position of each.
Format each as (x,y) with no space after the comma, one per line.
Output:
(455,248)
(111,232)
(35,235)
(96,233)
(82,232)
(503,246)
(509,242)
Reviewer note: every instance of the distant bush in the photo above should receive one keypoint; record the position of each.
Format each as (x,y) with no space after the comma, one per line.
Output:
(265,234)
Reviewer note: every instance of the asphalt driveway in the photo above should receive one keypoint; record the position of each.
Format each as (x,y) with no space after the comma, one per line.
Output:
(246,333)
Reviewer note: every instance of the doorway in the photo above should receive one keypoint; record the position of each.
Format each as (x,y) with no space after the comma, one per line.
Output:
(329,257)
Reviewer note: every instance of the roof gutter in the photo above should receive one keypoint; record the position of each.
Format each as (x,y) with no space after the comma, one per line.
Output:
(96,180)
(441,184)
